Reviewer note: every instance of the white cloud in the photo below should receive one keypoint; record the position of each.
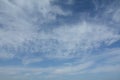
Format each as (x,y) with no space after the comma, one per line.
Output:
(83,37)
(105,61)
(112,11)
(73,69)
(27,61)
(89,65)
(17,70)
(20,30)
(116,16)
(112,56)
(86,34)
(16,19)
(108,68)
(61,42)
(22,36)
(55,71)
(5,55)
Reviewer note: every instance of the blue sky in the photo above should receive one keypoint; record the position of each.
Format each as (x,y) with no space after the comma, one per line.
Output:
(60,39)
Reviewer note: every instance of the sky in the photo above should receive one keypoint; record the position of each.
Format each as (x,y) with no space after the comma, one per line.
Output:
(59,39)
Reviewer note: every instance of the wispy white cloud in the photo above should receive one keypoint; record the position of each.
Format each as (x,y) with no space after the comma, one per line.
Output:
(18,30)
(87,66)
(73,69)
(16,19)
(83,37)
(65,40)
(108,68)
(27,61)
(24,36)
(116,16)
(6,55)
(15,71)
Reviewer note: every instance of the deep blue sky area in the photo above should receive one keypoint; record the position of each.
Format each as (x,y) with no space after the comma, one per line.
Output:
(60,39)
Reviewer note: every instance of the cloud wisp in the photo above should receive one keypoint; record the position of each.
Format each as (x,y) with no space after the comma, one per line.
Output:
(36,39)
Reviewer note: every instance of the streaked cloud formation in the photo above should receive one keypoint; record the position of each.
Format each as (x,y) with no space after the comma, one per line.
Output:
(41,39)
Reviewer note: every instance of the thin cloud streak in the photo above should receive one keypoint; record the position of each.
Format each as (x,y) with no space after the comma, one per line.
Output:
(37,41)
